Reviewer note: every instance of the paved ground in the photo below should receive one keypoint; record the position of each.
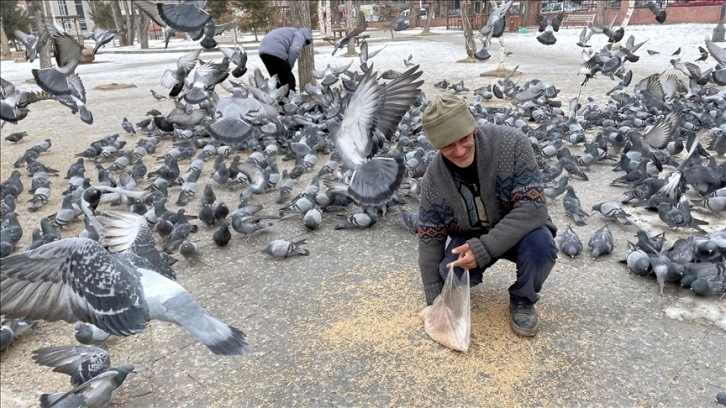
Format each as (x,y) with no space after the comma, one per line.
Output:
(341,327)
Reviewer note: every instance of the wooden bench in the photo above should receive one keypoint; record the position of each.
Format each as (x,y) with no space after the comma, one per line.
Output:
(578,20)
(339,32)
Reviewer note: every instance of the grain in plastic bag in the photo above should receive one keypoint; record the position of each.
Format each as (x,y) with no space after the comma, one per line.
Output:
(448,320)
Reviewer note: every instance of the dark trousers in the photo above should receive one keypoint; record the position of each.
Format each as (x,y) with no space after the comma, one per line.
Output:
(280,67)
(535,256)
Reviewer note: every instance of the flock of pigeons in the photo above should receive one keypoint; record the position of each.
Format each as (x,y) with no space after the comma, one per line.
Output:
(117,274)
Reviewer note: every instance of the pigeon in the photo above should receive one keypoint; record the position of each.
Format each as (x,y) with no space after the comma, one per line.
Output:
(68,56)
(32,44)
(237,56)
(222,236)
(280,248)
(494,28)
(357,221)
(187,17)
(601,242)
(371,117)
(14,103)
(721,398)
(102,37)
(637,260)
(94,392)
(410,220)
(89,334)
(16,136)
(714,285)
(660,15)
(127,126)
(191,252)
(12,329)
(206,77)
(570,243)
(81,363)
(312,218)
(175,79)
(76,272)
(548,27)
(612,210)
(572,206)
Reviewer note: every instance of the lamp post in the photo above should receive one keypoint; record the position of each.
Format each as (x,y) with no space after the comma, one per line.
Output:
(719,31)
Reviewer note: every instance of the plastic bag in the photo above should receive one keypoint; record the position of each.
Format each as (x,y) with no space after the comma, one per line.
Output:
(448,320)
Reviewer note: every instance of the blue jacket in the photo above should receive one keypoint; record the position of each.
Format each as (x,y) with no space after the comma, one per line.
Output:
(285,43)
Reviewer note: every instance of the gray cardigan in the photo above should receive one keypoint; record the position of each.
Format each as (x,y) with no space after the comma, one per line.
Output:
(511,191)
(285,43)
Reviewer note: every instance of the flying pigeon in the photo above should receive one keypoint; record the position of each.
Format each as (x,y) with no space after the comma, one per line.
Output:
(660,15)
(548,27)
(371,117)
(102,37)
(117,291)
(68,56)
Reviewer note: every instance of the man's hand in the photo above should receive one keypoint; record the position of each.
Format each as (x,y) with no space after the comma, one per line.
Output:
(466,257)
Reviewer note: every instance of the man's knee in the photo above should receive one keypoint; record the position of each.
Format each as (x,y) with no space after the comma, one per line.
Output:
(539,245)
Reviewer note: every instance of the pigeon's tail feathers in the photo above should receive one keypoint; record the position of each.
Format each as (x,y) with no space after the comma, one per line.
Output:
(220,338)
(54,400)
(85,114)
(547,38)
(52,81)
(375,181)
(208,43)
(195,95)
(230,131)
(176,89)
(239,71)
(183,17)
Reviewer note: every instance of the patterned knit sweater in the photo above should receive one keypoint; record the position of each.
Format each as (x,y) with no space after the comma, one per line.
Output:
(509,182)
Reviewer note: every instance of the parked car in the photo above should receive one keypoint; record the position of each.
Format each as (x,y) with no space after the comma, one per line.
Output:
(566,6)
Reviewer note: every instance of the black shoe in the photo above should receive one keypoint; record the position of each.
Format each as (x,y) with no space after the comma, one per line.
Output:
(524,320)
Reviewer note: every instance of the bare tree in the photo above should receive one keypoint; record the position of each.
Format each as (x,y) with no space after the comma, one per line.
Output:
(300,13)
(143,20)
(600,13)
(4,44)
(468,32)
(123,22)
(427,25)
(35,8)
(351,22)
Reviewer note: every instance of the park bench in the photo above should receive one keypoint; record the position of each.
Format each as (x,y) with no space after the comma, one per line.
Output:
(578,20)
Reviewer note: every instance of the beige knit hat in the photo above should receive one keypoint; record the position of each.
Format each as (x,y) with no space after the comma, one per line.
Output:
(446,120)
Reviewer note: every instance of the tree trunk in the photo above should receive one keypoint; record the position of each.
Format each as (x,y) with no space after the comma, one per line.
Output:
(4,44)
(300,14)
(118,21)
(130,23)
(413,14)
(143,30)
(600,13)
(427,25)
(35,8)
(350,23)
(468,32)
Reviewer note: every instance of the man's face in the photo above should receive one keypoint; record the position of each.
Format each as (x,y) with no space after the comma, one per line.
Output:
(461,152)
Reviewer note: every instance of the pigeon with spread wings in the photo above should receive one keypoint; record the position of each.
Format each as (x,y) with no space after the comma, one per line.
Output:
(371,117)
(118,289)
